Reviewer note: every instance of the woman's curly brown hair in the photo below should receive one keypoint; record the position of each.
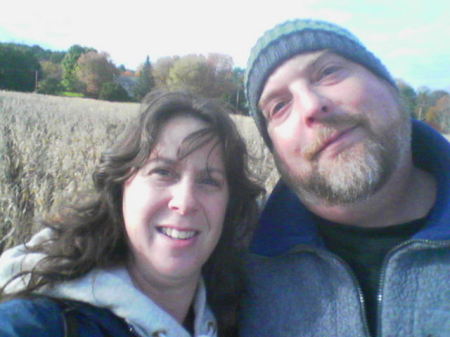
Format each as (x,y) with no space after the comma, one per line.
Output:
(91,234)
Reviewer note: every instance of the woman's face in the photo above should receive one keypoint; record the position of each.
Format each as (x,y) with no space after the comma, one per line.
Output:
(174,209)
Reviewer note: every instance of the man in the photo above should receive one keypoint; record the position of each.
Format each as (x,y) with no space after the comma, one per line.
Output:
(355,238)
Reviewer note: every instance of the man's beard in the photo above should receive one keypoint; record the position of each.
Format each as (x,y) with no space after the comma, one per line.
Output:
(354,174)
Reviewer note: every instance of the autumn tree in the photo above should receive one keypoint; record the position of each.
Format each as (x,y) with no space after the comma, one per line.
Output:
(221,75)
(189,73)
(423,102)
(438,115)
(161,70)
(94,69)
(145,81)
(210,76)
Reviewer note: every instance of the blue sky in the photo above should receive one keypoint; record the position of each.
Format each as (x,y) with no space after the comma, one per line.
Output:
(411,37)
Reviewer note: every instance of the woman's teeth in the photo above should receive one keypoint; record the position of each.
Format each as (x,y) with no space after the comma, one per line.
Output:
(177,234)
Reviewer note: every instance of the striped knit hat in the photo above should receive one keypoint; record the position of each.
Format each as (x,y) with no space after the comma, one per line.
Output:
(296,37)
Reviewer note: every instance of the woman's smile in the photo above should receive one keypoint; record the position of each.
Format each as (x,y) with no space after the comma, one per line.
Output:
(177,234)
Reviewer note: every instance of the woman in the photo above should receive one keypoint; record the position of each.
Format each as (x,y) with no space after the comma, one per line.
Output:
(155,248)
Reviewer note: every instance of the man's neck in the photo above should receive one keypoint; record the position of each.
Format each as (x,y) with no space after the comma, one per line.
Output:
(409,194)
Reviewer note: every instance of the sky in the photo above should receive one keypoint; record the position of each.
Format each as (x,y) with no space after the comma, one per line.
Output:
(411,37)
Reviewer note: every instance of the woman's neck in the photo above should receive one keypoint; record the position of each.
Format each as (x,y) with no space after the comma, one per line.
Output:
(173,296)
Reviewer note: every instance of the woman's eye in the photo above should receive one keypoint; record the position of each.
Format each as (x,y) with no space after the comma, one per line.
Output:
(162,172)
(210,181)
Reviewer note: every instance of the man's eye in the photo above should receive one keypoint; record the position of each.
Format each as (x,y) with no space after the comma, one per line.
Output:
(276,107)
(328,72)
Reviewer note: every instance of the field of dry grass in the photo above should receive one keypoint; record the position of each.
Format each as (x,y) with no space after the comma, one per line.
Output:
(50,145)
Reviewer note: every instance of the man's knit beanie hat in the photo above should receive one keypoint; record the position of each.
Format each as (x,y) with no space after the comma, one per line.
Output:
(296,37)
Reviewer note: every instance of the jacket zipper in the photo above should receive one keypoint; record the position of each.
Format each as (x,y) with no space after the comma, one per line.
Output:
(430,243)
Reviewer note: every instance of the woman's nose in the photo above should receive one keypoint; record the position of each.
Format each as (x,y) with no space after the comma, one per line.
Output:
(183,197)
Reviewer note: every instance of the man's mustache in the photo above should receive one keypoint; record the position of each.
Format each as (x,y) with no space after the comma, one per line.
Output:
(328,128)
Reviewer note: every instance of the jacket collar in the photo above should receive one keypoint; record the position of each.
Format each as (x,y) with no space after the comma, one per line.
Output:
(108,288)
(285,221)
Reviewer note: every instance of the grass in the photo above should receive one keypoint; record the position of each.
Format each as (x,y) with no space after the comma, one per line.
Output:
(50,145)
(71,94)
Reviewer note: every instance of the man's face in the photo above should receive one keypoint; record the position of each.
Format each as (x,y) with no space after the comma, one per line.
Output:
(338,131)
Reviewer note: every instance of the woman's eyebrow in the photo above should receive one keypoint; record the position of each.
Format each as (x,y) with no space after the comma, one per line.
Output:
(171,161)
(162,159)
(215,170)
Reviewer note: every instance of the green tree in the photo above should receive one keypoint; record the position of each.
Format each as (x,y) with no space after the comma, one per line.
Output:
(51,76)
(46,54)
(50,86)
(145,82)
(112,91)
(18,68)
(70,66)
(408,96)
(237,99)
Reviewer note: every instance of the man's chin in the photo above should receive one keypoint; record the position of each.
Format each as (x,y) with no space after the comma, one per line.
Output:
(341,182)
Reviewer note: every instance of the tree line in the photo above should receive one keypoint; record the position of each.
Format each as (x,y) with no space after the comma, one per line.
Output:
(431,106)
(84,71)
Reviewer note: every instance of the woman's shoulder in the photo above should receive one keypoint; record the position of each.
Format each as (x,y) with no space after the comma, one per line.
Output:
(48,317)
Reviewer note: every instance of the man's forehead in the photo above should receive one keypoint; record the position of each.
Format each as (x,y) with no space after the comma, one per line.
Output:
(301,61)
(307,59)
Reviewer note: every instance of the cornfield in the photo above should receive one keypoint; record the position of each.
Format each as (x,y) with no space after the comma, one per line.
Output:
(49,147)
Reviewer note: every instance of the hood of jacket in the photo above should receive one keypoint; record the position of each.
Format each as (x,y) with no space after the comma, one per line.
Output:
(108,288)
(285,222)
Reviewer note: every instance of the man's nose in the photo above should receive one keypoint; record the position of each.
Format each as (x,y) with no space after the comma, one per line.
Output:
(311,103)
(183,197)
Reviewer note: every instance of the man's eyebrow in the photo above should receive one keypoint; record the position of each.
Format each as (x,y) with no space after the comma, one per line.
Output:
(324,55)
(267,99)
